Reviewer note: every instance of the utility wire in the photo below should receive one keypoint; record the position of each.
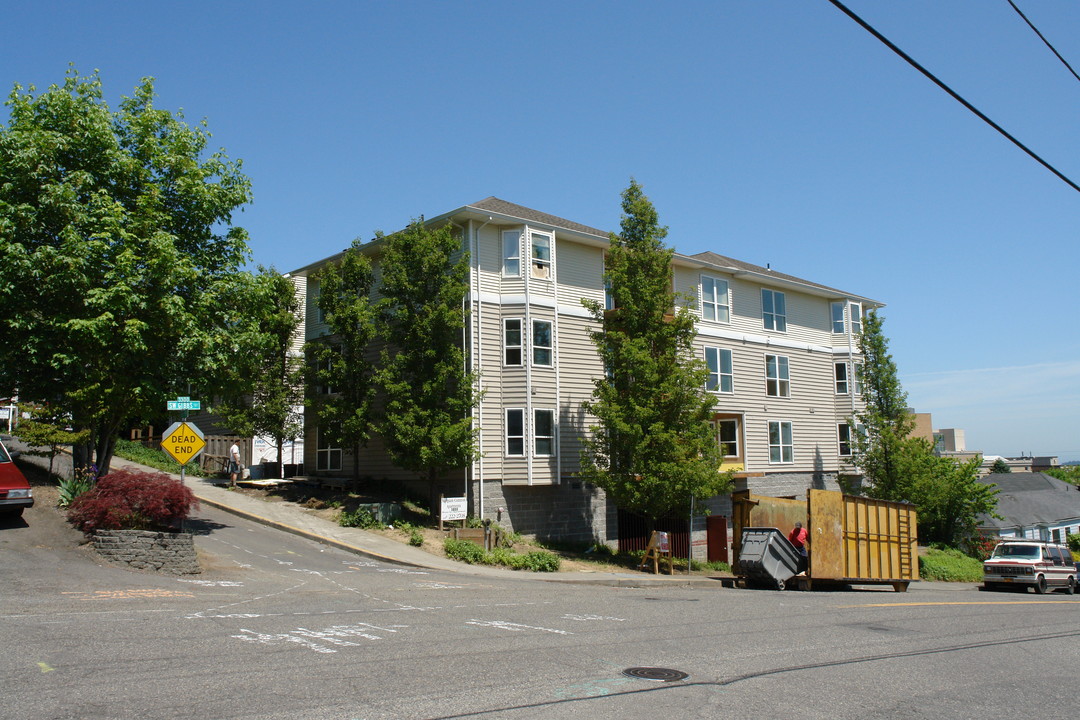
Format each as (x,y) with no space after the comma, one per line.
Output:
(1047,42)
(951,92)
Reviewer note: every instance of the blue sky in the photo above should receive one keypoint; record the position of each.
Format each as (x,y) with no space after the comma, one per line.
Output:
(773,131)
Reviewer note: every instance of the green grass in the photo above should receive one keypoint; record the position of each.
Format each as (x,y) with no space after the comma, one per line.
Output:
(949,566)
(155,458)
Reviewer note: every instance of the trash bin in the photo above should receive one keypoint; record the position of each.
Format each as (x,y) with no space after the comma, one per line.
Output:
(766,556)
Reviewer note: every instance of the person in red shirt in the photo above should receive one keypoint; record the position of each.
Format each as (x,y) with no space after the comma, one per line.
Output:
(798,537)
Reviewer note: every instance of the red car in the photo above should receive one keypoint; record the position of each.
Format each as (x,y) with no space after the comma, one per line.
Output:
(15,492)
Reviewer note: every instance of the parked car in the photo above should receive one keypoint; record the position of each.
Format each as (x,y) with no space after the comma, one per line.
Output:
(1026,563)
(15,492)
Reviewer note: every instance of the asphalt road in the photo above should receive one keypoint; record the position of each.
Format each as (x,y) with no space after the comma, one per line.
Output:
(281,627)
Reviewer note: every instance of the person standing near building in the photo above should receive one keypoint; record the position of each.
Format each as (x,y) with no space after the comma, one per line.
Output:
(798,537)
(234,464)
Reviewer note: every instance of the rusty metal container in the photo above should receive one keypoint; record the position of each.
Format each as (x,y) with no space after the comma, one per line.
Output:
(853,540)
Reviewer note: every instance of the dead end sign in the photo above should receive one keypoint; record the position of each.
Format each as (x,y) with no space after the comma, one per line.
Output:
(184,441)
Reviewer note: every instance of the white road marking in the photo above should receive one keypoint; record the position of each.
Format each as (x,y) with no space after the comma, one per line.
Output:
(319,640)
(588,618)
(514,627)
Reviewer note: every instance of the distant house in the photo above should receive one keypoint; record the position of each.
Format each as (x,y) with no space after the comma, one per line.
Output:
(1033,505)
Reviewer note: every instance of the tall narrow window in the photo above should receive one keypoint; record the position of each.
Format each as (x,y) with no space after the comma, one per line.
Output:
(843,437)
(543,433)
(512,341)
(609,299)
(773,310)
(541,344)
(720,378)
(714,299)
(781,446)
(837,309)
(727,437)
(511,253)
(327,456)
(855,311)
(777,378)
(858,378)
(840,373)
(541,255)
(515,431)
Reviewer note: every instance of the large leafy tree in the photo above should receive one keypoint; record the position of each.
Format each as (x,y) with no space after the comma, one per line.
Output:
(653,448)
(341,383)
(118,252)
(267,392)
(429,394)
(896,466)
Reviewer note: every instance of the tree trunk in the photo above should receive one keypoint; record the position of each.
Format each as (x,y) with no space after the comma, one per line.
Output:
(280,456)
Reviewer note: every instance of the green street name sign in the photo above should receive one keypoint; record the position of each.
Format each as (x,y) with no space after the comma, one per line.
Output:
(183,403)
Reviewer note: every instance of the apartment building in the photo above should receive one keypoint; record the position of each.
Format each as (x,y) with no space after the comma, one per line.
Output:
(781,352)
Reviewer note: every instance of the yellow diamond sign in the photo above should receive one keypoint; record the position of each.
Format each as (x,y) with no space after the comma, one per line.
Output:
(183,441)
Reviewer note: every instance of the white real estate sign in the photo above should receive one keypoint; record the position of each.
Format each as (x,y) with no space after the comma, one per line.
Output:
(455,508)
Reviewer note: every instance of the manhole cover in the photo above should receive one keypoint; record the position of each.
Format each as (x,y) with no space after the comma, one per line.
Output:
(655,673)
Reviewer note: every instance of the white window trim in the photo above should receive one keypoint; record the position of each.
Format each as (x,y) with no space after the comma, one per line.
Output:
(507,257)
(737,454)
(781,445)
(550,348)
(782,379)
(720,374)
(507,436)
(856,377)
(554,433)
(775,315)
(846,381)
(840,440)
(851,308)
(326,450)
(520,347)
(716,302)
(535,263)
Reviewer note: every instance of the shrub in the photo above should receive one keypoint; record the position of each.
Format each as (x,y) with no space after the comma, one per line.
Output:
(1073,541)
(464,551)
(132,500)
(537,560)
(360,518)
(980,546)
(81,481)
(949,565)
(416,538)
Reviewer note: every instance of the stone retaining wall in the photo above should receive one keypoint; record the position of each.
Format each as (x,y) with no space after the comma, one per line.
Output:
(172,553)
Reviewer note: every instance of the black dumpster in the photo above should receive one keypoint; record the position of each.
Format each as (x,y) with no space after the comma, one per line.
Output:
(767,557)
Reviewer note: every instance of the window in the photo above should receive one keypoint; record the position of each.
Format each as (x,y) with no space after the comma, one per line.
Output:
(773,310)
(327,457)
(512,341)
(541,345)
(609,299)
(515,431)
(843,437)
(541,255)
(714,299)
(837,316)
(543,433)
(858,378)
(720,378)
(727,437)
(841,375)
(854,312)
(777,379)
(511,253)
(781,449)
(326,368)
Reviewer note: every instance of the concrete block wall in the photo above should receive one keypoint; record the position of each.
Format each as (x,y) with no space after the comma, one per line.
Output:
(172,553)
(572,511)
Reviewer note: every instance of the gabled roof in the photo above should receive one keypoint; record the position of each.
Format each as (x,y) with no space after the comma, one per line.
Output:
(502,207)
(739,266)
(1029,499)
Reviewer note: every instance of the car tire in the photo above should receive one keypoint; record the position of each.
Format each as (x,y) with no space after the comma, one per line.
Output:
(1071,587)
(1040,585)
(990,586)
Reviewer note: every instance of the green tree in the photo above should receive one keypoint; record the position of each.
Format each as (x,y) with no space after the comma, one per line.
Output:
(268,378)
(429,395)
(885,424)
(653,448)
(1000,466)
(119,254)
(1068,473)
(341,381)
(46,431)
(896,466)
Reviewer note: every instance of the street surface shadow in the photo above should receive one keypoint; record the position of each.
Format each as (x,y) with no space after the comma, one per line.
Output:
(202,526)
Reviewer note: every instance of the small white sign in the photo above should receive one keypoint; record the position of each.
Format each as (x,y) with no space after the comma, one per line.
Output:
(5,413)
(456,508)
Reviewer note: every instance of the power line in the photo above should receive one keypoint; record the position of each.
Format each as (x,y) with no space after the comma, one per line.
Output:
(951,92)
(1047,42)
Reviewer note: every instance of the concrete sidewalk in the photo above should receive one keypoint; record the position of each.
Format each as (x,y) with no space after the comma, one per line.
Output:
(290,518)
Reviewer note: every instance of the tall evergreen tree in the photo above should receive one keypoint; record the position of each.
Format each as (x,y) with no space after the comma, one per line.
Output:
(429,395)
(341,372)
(653,448)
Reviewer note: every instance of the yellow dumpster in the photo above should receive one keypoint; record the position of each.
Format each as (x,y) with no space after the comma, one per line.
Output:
(853,540)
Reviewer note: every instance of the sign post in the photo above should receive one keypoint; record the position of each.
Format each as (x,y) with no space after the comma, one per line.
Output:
(184,442)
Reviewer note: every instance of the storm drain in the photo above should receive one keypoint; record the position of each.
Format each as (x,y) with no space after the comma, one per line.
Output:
(655,673)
